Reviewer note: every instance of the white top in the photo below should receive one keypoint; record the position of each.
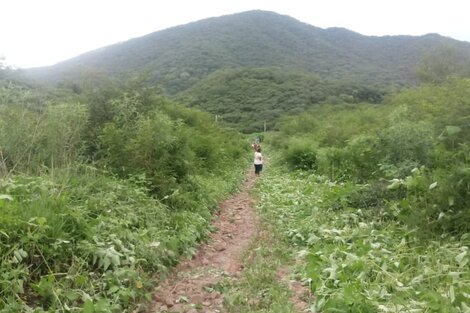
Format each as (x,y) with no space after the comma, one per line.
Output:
(258,158)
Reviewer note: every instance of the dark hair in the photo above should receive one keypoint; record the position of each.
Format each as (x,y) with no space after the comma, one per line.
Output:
(258,149)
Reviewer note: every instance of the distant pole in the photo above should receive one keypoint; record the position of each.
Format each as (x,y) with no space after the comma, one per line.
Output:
(264,129)
(216,116)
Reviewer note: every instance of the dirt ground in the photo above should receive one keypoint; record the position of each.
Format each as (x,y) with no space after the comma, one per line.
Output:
(190,288)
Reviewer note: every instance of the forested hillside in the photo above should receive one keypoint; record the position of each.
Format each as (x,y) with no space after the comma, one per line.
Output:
(111,175)
(179,57)
(252,67)
(250,98)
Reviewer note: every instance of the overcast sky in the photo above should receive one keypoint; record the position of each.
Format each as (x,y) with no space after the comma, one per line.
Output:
(44,32)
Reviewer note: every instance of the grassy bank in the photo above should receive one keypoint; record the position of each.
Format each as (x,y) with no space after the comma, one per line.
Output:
(82,240)
(358,259)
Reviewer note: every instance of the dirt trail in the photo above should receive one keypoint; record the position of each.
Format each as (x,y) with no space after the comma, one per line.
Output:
(190,288)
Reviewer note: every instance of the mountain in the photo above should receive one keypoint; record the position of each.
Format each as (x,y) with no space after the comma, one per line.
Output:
(179,57)
(255,66)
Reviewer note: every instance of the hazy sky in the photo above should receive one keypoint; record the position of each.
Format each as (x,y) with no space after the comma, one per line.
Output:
(44,32)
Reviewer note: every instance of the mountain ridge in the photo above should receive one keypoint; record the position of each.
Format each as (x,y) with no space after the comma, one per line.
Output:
(178,57)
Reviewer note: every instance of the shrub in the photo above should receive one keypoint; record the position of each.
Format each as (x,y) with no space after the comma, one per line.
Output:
(363,157)
(406,141)
(374,195)
(301,154)
(357,161)
(451,210)
(436,201)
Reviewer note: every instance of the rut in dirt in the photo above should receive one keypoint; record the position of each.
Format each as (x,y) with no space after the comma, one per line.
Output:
(190,288)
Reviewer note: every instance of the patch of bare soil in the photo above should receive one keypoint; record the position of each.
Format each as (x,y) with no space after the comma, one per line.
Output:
(190,288)
(301,296)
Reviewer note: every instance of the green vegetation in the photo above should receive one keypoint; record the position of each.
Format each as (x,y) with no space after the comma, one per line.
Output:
(101,193)
(355,258)
(440,63)
(246,98)
(179,57)
(105,183)
(261,287)
(417,139)
(257,66)
(381,206)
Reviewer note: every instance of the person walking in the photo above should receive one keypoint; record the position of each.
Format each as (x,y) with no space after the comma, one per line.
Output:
(258,161)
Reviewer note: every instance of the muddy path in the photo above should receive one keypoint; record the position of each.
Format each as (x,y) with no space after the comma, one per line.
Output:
(190,288)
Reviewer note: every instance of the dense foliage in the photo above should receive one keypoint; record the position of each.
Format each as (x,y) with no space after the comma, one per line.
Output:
(179,57)
(358,253)
(382,200)
(104,185)
(102,192)
(248,98)
(253,67)
(415,140)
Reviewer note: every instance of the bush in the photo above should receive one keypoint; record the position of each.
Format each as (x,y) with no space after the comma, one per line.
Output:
(436,201)
(361,152)
(357,161)
(168,145)
(451,210)
(86,237)
(406,141)
(301,154)
(374,195)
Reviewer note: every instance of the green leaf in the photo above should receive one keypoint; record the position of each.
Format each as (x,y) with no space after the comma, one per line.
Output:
(115,261)
(88,307)
(460,258)
(396,183)
(102,306)
(465,307)
(183,299)
(72,295)
(113,289)
(106,263)
(19,255)
(451,201)
(453,130)
(41,220)
(6,197)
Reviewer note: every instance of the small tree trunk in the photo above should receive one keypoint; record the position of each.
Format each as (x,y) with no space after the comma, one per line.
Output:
(3,165)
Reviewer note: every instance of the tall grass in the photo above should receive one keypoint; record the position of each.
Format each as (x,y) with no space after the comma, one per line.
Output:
(100,195)
(362,258)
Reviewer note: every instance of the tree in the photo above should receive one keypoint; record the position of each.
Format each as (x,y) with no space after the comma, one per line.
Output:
(438,65)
